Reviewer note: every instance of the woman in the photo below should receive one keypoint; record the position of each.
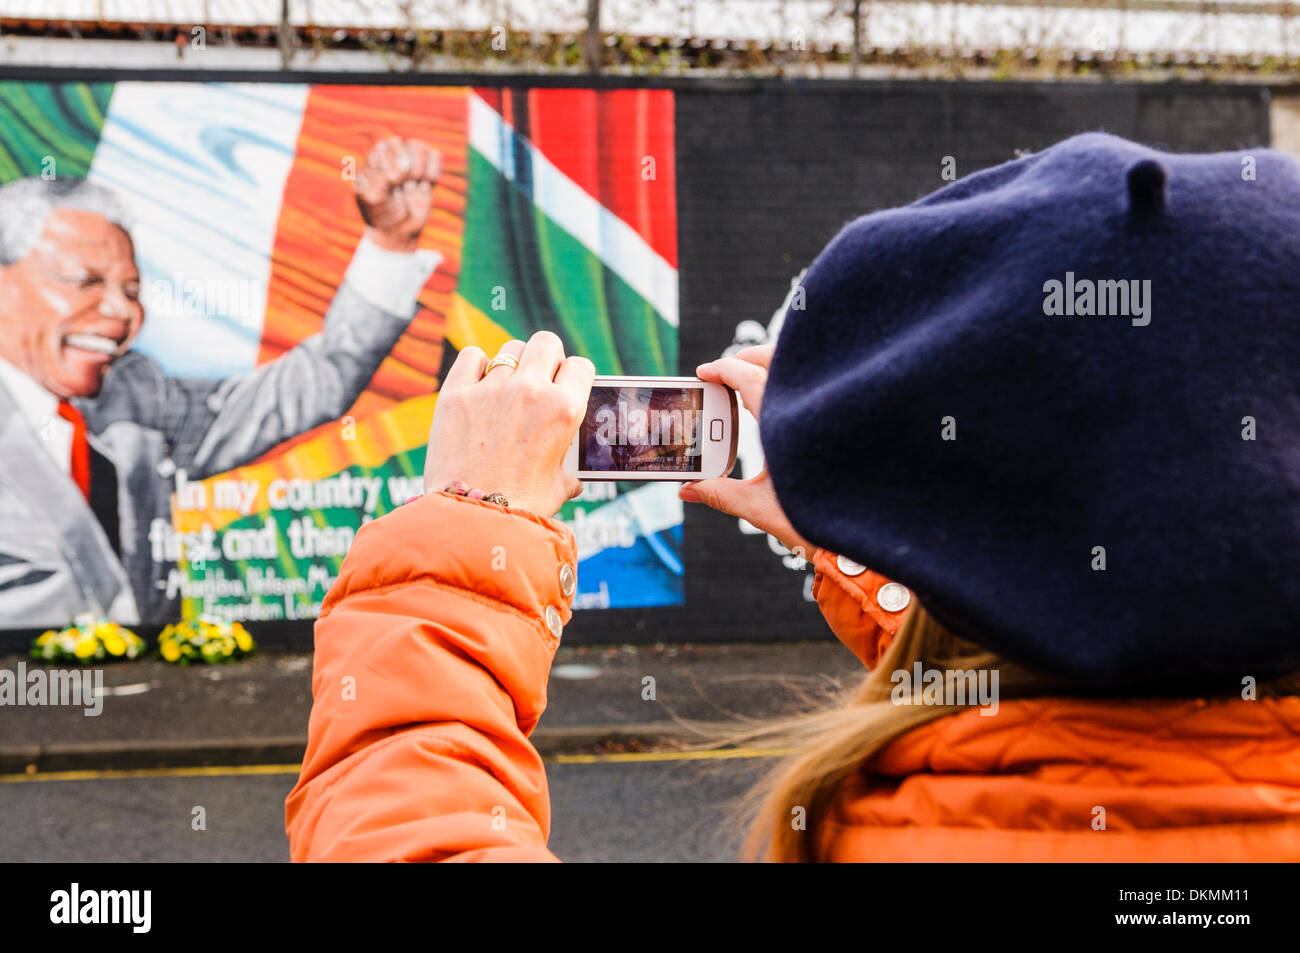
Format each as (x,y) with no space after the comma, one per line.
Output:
(1094,506)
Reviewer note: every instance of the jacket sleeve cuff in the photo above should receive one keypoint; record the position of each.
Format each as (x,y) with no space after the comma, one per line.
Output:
(504,556)
(849,600)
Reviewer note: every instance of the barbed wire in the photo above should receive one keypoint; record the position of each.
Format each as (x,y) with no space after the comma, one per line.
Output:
(1215,39)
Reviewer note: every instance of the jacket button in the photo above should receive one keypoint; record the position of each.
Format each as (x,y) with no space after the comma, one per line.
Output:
(568,580)
(849,567)
(893,597)
(553,621)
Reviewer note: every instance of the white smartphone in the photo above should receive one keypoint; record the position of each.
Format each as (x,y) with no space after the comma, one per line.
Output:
(655,428)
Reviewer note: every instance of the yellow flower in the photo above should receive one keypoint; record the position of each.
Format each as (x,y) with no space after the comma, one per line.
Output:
(114,643)
(45,638)
(171,651)
(243,639)
(86,647)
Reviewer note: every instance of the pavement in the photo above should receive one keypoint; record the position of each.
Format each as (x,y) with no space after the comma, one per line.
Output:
(665,811)
(255,712)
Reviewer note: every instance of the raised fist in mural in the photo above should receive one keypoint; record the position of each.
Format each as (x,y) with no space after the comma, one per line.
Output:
(395,191)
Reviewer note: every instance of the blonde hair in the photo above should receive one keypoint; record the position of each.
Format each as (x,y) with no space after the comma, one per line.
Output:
(835,741)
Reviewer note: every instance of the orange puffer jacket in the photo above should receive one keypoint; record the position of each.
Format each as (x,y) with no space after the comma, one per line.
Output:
(432,656)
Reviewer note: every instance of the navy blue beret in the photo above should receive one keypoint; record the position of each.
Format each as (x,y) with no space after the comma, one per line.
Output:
(1059,399)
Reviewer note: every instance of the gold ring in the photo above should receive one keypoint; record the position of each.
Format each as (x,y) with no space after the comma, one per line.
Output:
(502,360)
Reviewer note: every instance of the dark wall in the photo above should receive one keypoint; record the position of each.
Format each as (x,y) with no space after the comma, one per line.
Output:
(766,177)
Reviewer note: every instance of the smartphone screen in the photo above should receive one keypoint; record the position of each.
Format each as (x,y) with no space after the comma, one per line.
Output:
(632,429)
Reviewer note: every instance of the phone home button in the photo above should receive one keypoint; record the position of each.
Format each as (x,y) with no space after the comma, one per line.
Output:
(715,429)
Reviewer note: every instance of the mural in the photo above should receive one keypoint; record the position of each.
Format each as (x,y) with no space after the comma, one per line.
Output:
(225,309)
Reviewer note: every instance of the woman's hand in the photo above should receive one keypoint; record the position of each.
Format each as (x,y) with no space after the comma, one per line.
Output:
(507,432)
(753,499)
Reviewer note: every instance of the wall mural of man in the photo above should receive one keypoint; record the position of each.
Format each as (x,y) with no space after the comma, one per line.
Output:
(92,432)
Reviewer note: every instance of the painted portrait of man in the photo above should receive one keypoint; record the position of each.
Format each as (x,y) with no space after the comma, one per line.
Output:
(92,431)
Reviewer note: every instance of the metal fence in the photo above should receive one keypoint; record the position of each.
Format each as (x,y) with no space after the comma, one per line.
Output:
(830,36)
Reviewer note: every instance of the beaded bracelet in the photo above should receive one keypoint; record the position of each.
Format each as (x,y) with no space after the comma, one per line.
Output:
(460,489)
